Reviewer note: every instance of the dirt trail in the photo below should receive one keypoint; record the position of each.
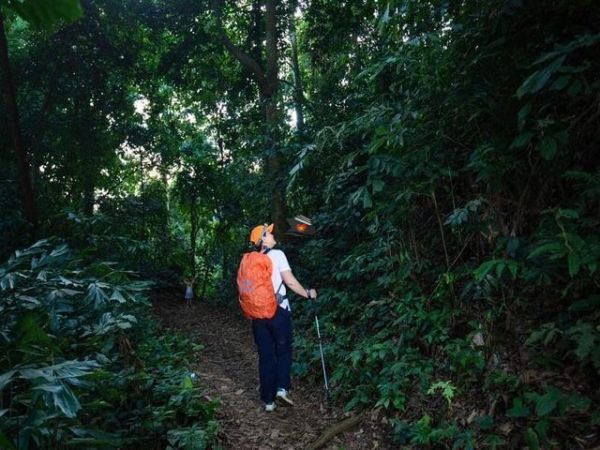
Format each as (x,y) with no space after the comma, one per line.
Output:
(227,368)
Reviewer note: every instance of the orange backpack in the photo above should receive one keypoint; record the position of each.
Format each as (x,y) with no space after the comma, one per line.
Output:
(257,298)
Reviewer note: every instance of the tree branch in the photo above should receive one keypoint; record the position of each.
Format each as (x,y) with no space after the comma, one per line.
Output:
(245,59)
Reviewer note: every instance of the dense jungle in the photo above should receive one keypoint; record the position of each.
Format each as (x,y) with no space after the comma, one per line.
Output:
(444,155)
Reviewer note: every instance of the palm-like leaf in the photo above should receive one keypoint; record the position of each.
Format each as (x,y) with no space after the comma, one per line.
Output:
(45,13)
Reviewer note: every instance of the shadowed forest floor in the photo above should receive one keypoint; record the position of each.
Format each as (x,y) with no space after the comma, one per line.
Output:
(228,371)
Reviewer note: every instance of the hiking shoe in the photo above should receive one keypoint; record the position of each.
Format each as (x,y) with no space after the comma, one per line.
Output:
(270,407)
(283,397)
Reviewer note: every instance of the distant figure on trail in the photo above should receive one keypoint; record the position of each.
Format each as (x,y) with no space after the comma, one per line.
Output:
(189,289)
(262,285)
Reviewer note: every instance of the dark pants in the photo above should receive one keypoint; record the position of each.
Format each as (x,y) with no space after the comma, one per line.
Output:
(273,339)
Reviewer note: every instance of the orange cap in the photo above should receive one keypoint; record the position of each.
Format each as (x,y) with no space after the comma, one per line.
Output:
(258,232)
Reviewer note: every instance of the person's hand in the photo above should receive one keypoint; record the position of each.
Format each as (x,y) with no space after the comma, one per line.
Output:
(312,294)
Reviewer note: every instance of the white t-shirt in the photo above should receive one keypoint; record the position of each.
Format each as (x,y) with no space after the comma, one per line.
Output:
(280,264)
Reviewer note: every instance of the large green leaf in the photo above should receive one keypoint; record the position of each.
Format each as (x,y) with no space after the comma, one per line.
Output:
(45,13)
(538,79)
(584,40)
(531,437)
(548,148)
(584,336)
(574,263)
(6,377)
(66,401)
(518,409)
(545,404)
(522,139)
(67,370)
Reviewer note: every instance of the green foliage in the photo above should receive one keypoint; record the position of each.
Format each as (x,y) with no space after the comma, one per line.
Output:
(446,388)
(425,433)
(455,205)
(540,410)
(69,373)
(497,266)
(190,438)
(45,13)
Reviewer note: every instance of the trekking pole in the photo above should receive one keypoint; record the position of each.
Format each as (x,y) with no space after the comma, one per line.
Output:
(321,350)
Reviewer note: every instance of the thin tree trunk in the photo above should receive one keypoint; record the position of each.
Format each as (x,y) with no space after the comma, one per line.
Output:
(205,276)
(193,236)
(298,89)
(29,210)
(439,219)
(224,265)
(165,183)
(88,197)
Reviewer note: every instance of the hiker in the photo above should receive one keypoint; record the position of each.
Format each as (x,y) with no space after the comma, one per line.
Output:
(272,329)
(189,289)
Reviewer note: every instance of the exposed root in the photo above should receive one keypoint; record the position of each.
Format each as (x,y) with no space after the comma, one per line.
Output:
(335,429)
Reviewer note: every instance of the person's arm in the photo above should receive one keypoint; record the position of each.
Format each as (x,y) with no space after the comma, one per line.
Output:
(290,281)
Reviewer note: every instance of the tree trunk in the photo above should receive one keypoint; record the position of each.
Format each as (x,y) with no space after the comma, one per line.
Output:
(274,170)
(268,84)
(298,90)
(88,197)
(205,276)
(224,267)
(193,236)
(29,210)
